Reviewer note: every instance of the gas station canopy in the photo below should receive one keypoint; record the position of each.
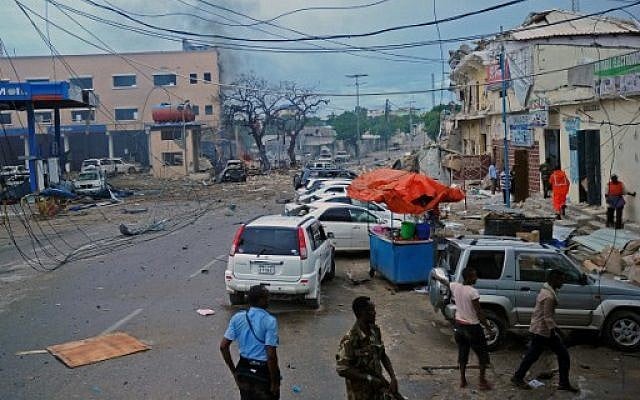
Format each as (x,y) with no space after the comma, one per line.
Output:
(44,95)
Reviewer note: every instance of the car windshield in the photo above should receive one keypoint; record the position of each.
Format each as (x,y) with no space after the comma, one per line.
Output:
(88,176)
(90,162)
(269,241)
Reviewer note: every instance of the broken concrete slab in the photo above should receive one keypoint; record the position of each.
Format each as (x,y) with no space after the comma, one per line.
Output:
(602,238)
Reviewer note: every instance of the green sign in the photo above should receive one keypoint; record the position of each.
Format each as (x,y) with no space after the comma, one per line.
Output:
(618,65)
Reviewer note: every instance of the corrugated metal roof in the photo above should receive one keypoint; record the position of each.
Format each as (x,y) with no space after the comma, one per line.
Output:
(586,26)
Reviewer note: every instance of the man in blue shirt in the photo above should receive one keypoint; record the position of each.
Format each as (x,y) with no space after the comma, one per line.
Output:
(256,331)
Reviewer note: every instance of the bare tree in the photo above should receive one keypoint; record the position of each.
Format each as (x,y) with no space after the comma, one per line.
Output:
(253,103)
(303,103)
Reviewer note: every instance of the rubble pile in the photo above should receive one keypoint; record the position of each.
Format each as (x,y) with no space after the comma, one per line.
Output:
(625,262)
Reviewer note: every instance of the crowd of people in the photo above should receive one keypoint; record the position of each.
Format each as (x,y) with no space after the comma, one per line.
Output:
(361,358)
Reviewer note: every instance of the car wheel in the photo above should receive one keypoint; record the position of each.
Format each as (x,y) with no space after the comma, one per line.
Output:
(331,273)
(498,326)
(131,170)
(315,303)
(236,298)
(622,330)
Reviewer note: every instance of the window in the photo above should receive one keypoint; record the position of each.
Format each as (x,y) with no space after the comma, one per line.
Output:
(208,109)
(335,190)
(534,267)
(85,83)
(207,77)
(336,215)
(43,117)
(124,81)
(172,159)
(488,264)
(164,79)
(361,216)
(317,235)
(83,115)
(269,241)
(126,114)
(343,200)
(171,134)
(195,109)
(193,79)
(5,118)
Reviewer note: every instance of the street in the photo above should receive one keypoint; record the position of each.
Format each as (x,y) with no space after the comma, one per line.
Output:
(151,290)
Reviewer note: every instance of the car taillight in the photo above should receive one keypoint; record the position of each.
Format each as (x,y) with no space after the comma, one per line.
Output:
(236,241)
(302,244)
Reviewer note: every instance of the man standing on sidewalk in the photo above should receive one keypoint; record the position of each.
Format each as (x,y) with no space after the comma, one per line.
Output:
(257,373)
(493,175)
(469,320)
(361,356)
(615,201)
(560,188)
(545,334)
(545,174)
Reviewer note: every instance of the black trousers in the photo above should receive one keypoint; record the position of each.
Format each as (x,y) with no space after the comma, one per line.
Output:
(536,347)
(254,386)
(471,337)
(618,212)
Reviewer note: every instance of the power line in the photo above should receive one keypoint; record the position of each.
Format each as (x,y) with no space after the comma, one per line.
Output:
(309,38)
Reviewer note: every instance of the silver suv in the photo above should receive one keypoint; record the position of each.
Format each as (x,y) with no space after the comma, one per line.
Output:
(510,275)
(291,256)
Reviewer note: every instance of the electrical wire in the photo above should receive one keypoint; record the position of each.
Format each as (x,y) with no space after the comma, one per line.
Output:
(309,38)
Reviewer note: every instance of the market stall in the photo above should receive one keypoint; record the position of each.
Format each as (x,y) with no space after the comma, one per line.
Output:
(404,255)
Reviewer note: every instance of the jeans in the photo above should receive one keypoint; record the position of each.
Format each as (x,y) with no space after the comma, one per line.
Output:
(537,346)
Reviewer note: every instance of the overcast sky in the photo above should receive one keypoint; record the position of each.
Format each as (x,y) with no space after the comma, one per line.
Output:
(323,72)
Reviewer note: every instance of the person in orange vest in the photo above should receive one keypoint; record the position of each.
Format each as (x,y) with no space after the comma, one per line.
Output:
(560,188)
(615,201)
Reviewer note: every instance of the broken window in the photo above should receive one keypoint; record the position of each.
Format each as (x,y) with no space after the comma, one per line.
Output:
(172,159)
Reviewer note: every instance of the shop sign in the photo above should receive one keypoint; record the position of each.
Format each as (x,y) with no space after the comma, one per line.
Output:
(494,75)
(618,75)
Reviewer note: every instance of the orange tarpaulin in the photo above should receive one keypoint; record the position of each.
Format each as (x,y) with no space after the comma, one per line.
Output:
(403,192)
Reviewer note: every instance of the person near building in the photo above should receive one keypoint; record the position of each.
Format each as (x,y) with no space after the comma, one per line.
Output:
(545,174)
(560,188)
(506,185)
(615,201)
(469,320)
(361,356)
(546,335)
(493,175)
(257,373)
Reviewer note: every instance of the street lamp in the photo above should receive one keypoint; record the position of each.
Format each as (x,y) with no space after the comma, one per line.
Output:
(356,77)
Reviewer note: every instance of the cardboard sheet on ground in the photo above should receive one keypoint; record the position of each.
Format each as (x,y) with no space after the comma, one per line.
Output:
(96,349)
(403,192)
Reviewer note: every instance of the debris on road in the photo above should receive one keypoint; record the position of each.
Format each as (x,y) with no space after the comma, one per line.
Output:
(152,227)
(31,352)
(100,348)
(205,311)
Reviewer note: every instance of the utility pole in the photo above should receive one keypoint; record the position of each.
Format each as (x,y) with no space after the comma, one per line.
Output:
(575,5)
(357,77)
(507,177)
(433,90)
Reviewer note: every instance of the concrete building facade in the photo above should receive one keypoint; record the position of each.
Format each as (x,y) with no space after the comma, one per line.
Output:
(128,86)
(560,104)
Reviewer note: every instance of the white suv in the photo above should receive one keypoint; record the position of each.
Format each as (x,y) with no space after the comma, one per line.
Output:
(290,256)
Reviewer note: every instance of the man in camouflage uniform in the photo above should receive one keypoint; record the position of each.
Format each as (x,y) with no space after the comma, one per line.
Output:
(361,356)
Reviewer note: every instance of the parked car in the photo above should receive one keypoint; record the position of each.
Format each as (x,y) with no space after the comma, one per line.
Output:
(92,163)
(317,183)
(510,275)
(120,166)
(341,156)
(324,191)
(347,226)
(235,171)
(290,255)
(378,209)
(11,171)
(90,182)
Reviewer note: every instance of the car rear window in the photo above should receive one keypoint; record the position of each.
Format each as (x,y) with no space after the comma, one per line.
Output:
(269,241)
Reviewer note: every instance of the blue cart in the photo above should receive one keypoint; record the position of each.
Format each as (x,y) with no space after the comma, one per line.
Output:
(401,262)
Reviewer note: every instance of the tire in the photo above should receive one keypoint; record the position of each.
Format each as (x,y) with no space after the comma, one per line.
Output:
(332,270)
(314,304)
(622,330)
(131,170)
(236,298)
(498,323)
